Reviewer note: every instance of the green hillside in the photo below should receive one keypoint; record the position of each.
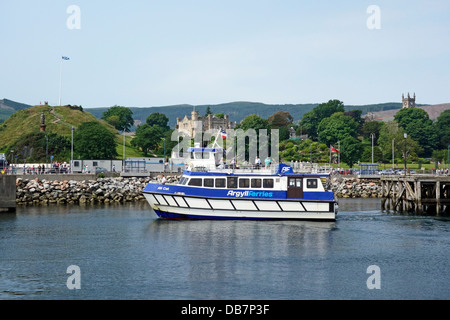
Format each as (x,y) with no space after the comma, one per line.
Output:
(239,110)
(58,120)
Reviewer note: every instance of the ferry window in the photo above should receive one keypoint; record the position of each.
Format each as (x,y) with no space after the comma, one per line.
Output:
(268,183)
(232,182)
(195,182)
(76,163)
(256,183)
(182,180)
(220,183)
(208,182)
(311,183)
(244,183)
(295,182)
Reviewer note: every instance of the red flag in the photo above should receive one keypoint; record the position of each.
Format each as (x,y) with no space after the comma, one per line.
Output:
(334,149)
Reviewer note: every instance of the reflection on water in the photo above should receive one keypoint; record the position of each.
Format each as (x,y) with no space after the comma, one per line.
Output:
(125,252)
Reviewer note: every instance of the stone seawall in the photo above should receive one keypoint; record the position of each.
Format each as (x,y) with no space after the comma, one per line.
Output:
(102,190)
(121,190)
(355,187)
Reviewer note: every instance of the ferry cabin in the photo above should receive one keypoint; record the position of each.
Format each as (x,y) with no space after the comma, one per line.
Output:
(261,186)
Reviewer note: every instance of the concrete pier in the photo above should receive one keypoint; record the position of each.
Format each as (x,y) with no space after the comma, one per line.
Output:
(419,194)
(7,193)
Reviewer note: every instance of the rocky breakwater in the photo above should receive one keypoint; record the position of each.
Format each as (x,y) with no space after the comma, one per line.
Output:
(355,188)
(102,190)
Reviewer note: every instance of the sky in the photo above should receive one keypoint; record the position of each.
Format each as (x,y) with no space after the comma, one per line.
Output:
(143,53)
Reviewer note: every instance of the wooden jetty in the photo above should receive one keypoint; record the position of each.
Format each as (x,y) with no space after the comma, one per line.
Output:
(7,192)
(419,194)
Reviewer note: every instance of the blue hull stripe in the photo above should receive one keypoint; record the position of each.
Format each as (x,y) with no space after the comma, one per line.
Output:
(176,216)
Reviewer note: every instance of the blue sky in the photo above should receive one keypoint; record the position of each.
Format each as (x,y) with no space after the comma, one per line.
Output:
(154,53)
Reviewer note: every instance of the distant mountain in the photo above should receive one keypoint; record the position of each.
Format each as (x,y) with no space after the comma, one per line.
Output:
(8,107)
(238,110)
(433,112)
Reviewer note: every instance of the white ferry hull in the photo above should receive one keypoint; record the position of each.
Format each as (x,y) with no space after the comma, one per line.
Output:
(185,207)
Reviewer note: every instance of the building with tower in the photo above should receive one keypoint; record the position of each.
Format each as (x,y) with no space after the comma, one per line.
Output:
(196,123)
(408,102)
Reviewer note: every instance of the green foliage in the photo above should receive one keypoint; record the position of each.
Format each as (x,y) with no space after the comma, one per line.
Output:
(351,150)
(147,138)
(32,148)
(119,117)
(443,129)
(418,125)
(94,141)
(336,127)
(158,119)
(312,119)
(372,127)
(254,121)
(280,119)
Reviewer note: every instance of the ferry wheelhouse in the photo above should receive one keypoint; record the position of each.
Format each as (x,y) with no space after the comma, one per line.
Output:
(210,190)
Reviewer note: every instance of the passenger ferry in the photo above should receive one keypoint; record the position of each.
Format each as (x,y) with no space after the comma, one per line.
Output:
(209,190)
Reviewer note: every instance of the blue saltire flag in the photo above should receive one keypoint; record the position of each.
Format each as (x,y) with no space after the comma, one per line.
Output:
(65,58)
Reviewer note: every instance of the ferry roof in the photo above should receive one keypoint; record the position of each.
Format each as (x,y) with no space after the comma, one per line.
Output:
(249,174)
(205,149)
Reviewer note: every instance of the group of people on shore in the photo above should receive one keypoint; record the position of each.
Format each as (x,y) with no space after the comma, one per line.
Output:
(55,167)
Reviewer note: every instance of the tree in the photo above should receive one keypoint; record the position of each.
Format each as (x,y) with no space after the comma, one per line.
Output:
(94,141)
(147,137)
(312,119)
(158,119)
(280,119)
(254,121)
(372,127)
(351,150)
(391,132)
(443,129)
(119,117)
(418,125)
(208,111)
(336,127)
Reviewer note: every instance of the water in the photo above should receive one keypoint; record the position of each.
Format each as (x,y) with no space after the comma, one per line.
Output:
(124,252)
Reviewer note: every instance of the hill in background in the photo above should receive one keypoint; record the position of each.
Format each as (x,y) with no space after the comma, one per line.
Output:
(58,120)
(8,107)
(238,110)
(433,112)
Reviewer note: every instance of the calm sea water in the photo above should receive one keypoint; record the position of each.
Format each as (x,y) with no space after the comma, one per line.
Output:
(125,252)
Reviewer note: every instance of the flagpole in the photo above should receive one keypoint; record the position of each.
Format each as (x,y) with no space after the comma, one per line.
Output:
(330,155)
(60,81)
(339,153)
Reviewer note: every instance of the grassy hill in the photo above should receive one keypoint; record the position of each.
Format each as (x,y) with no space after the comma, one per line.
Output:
(58,120)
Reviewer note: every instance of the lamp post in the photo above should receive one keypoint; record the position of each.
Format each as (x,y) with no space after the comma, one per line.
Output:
(123,160)
(71,154)
(372,135)
(393,164)
(405,136)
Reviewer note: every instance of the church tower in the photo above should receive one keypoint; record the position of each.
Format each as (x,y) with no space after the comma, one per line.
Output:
(408,102)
